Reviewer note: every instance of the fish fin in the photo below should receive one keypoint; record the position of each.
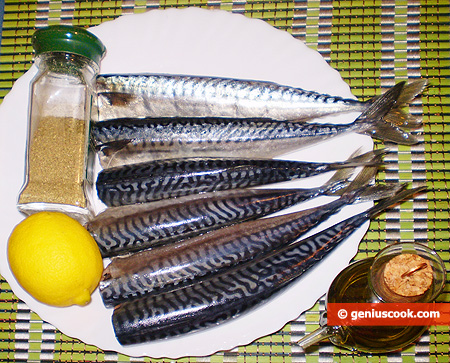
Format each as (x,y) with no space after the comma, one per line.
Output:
(110,148)
(390,202)
(379,106)
(400,118)
(362,179)
(371,158)
(340,179)
(384,118)
(340,182)
(379,191)
(397,116)
(109,151)
(359,189)
(408,92)
(411,91)
(388,132)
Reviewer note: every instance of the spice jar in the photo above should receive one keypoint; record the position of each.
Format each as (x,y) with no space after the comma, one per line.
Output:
(400,273)
(61,95)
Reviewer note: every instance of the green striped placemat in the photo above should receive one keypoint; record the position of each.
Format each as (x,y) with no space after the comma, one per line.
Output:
(373,44)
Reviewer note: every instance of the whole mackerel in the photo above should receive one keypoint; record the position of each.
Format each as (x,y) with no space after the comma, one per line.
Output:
(225,296)
(168,267)
(127,140)
(159,95)
(162,179)
(129,228)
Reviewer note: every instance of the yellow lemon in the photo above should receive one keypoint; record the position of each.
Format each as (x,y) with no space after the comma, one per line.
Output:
(55,259)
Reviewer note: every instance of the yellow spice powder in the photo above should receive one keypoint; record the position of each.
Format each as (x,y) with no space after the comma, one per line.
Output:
(56,163)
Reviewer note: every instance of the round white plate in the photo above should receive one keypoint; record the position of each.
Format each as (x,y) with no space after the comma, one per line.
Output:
(193,42)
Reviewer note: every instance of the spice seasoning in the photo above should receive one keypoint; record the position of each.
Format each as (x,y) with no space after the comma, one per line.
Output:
(56,163)
(67,60)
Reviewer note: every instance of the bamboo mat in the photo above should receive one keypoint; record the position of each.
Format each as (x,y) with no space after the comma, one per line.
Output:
(373,44)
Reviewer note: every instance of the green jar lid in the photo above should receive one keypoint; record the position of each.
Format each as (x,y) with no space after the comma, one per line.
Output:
(69,39)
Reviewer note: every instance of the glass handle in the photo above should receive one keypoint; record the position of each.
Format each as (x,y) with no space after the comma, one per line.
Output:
(315,337)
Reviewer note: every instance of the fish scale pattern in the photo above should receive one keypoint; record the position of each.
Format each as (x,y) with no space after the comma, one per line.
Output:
(177,130)
(409,39)
(127,141)
(224,296)
(168,267)
(155,226)
(162,95)
(163,179)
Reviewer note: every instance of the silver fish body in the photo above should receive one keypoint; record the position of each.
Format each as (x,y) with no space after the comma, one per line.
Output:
(159,95)
(125,229)
(225,296)
(127,141)
(162,179)
(134,140)
(168,267)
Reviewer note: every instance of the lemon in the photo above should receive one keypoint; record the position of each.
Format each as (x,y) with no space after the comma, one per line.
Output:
(55,259)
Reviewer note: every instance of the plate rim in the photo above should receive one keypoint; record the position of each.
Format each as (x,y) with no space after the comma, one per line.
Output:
(30,302)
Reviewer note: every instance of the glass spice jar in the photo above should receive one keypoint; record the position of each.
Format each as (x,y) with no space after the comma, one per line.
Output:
(61,96)
(382,279)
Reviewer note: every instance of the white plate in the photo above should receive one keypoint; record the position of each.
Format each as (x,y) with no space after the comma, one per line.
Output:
(195,42)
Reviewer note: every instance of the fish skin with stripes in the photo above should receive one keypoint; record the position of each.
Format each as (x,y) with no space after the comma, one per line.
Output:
(162,95)
(134,140)
(227,295)
(129,228)
(163,179)
(168,267)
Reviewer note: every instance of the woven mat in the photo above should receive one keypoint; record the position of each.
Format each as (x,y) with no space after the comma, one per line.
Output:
(373,44)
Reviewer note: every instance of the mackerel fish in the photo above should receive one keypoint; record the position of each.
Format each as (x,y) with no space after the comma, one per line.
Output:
(234,292)
(163,179)
(159,95)
(166,268)
(127,140)
(129,228)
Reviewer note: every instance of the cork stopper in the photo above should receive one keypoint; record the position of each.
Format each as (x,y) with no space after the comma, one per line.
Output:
(408,275)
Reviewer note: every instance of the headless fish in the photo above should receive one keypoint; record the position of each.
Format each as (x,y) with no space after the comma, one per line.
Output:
(225,296)
(168,267)
(163,179)
(127,141)
(161,95)
(129,228)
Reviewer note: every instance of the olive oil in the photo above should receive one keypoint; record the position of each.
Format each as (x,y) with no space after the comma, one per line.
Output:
(351,287)
(369,281)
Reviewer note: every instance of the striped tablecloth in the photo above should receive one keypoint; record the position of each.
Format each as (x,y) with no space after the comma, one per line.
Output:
(373,44)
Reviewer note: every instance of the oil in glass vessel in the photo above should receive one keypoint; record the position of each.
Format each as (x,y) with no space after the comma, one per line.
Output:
(365,281)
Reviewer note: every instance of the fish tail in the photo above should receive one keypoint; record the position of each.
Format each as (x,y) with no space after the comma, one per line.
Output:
(400,196)
(379,191)
(340,180)
(400,118)
(411,91)
(360,190)
(336,185)
(372,158)
(385,120)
